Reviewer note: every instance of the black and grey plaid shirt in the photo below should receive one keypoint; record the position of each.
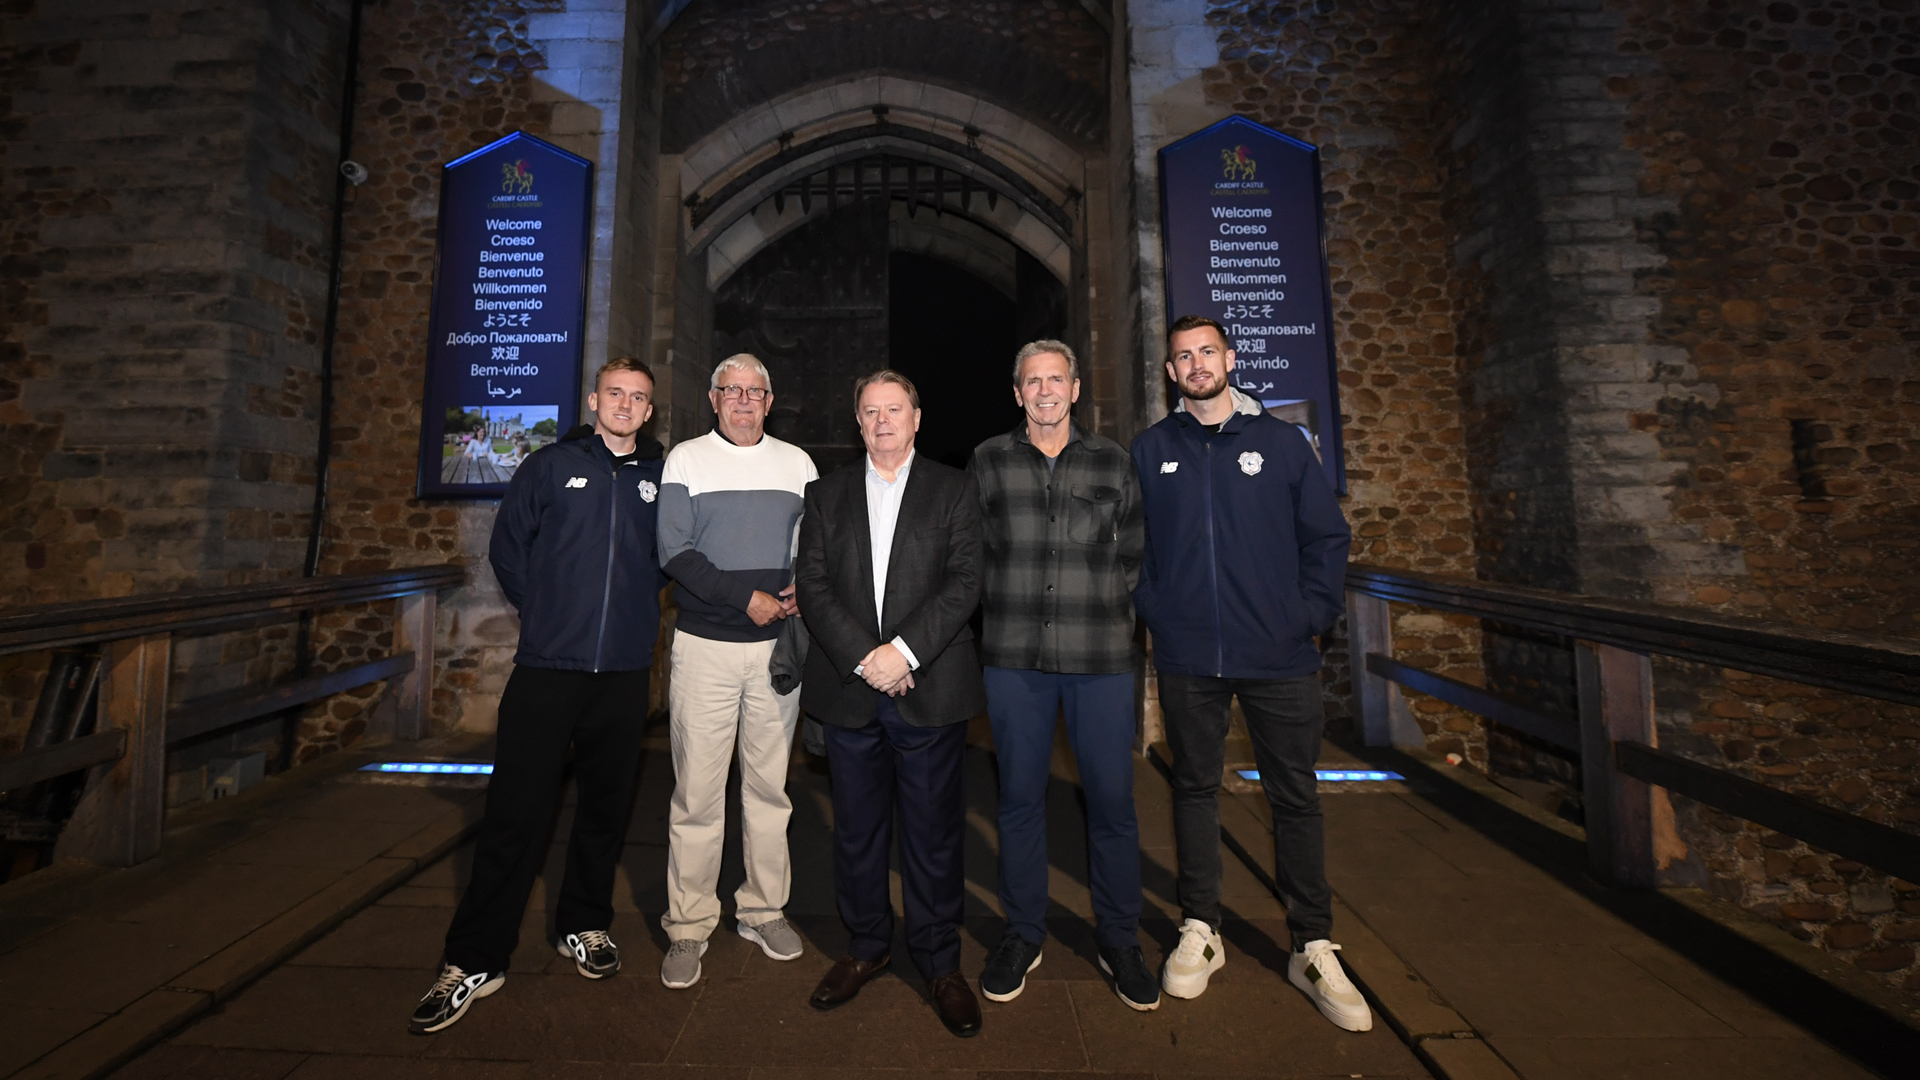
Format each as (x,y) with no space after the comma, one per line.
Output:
(1063,553)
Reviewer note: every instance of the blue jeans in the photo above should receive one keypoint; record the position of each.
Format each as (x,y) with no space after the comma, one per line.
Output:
(1099,712)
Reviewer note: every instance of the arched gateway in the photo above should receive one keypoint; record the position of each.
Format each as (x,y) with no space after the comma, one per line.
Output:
(843,194)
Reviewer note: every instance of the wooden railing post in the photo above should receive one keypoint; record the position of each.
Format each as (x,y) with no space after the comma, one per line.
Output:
(1616,703)
(1385,719)
(413,632)
(120,815)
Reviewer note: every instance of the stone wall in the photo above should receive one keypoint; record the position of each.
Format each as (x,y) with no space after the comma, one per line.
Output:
(1689,326)
(1784,141)
(160,397)
(563,71)
(1046,59)
(1355,80)
(166,180)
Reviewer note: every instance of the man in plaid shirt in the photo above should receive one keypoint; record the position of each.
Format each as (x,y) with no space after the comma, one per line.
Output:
(1065,533)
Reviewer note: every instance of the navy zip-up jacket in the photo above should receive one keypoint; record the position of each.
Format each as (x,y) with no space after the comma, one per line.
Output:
(573,547)
(1246,555)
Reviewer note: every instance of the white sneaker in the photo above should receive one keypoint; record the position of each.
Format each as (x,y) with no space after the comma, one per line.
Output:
(1318,974)
(1199,954)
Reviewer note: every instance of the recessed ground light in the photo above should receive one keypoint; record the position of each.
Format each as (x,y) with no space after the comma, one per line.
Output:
(428,767)
(1332,775)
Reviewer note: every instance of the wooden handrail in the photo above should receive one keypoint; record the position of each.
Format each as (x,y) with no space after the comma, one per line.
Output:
(1877,667)
(1623,771)
(52,626)
(1850,836)
(118,819)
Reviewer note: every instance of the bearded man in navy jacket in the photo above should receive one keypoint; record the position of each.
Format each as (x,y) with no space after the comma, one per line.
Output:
(574,550)
(1245,563)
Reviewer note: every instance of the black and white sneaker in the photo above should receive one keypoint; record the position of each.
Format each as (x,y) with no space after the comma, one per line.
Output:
(446,1002)
(594,954)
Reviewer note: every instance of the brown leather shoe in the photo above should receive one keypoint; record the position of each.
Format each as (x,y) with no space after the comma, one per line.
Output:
(844,981)
(953,999)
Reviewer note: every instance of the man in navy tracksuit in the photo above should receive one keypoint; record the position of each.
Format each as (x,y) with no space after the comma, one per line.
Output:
(1245,561)
(574,550)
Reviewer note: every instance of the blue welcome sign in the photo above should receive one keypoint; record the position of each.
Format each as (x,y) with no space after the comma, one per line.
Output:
(509,309)
(1241,225)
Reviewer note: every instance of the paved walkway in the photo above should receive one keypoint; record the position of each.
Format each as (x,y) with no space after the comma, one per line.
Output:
(96,963)
(1489,906)
(289,933)
(339,1008)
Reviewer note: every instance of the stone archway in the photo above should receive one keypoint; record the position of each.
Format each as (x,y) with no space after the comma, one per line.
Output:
(960,180)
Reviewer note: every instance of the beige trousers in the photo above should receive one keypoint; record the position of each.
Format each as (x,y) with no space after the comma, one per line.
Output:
(721,697)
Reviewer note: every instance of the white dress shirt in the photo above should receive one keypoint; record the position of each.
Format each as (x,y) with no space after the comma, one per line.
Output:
(883,513)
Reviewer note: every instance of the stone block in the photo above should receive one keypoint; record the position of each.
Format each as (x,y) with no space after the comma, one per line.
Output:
(1587,208)
(574,118)
(1633,310)
(705,162)
(582,53)
(600,85)
(556,84)
(1194,46)
(1155,14)
(759,129)
(548,26)
(900,93)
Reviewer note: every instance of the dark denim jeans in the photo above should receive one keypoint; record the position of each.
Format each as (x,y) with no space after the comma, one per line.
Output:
(1285,718)
(1099,714)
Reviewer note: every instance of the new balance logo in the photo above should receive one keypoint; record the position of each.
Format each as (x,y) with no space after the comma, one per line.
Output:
(577,482)
(1169,466)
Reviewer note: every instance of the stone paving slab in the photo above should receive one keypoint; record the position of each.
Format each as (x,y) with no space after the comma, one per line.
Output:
(338,1007)
(1548,982)
(97,964)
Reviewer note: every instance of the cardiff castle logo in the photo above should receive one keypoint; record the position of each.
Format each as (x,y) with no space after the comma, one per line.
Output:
(1237,163)
(515,177)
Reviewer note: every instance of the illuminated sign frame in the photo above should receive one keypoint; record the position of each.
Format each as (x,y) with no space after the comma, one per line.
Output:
(1242,231)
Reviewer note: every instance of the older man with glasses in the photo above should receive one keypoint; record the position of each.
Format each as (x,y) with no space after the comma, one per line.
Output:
(730,505)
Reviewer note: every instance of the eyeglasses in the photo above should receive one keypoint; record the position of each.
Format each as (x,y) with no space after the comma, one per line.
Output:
(736,392)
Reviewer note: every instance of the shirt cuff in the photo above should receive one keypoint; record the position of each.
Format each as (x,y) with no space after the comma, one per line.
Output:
(913,662)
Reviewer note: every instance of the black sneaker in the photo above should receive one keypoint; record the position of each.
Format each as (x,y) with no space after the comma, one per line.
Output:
(1006,971)
(1131,979)
(593,953)
(446,1002)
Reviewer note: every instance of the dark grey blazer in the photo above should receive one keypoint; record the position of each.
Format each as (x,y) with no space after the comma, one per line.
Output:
(933,585)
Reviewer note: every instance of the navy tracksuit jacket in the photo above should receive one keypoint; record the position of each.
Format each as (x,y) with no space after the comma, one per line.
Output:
(574,548)
(1246,555)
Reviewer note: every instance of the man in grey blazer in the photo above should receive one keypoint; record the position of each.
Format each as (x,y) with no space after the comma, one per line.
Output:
(888,576)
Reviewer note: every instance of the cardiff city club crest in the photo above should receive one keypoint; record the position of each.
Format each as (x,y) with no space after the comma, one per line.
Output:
(515,177)
(1237,163)
(1251,461)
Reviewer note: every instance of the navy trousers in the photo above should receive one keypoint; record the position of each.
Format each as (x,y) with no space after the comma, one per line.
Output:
(1099,715)
(876,767)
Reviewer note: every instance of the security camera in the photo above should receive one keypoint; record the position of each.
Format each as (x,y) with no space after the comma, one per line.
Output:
(355,172)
